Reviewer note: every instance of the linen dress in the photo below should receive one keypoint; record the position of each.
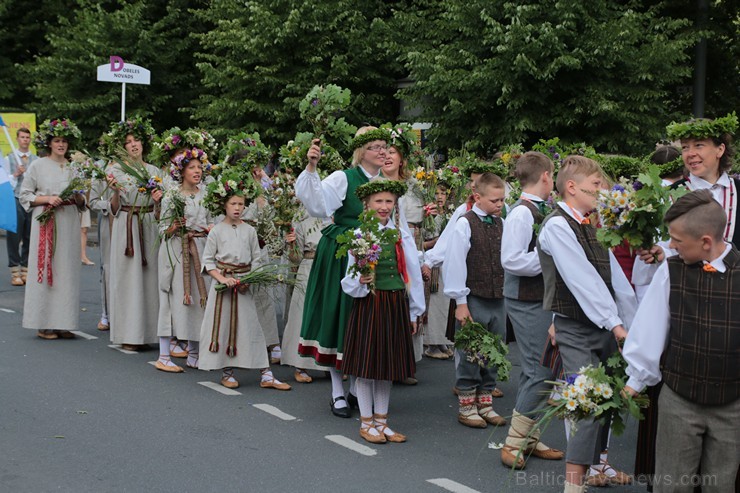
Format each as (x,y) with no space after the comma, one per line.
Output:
(55,307)
(308,234)
(100,203)
(437,303)
(176,318)
(233,245)
(134,303)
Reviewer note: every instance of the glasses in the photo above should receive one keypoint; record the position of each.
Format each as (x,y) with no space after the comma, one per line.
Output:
(377,148)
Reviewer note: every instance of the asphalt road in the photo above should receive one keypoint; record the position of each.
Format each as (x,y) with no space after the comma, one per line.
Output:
(79,416)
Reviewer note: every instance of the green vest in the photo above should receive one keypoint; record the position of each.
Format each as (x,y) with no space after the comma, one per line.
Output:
(348,214)
(387,277)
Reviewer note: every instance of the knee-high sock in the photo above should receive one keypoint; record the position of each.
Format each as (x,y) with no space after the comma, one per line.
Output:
(337,389)
(352,384)
(193,348)
(382,396)
(365,394)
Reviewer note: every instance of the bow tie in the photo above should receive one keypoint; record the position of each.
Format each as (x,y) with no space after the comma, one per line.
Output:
(541,207)
(487,219)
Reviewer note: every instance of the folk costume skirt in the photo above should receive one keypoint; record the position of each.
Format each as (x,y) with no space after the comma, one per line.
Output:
(378,342)
(326,307)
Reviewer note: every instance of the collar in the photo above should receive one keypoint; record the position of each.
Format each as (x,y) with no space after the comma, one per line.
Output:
(701,184)
(479,211)
(367,173)
(531,197)
(21,153)
(572,212)
(719,263)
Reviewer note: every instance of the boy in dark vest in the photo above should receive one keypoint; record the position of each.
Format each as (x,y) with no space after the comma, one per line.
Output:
(687,333)
(523,293)
(474,279)
(586,289)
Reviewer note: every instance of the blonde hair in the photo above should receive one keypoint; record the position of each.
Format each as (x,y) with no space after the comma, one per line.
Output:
(576,168)
(359,153)
(530,166)
(488,180)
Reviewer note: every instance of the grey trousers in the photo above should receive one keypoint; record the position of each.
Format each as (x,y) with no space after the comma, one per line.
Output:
(690,434)
(530,324)
(491,314)
(582,345)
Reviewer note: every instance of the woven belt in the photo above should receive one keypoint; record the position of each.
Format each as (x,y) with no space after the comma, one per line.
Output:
(46,245)
(227,270)
(190,255)
(135,211)
(309,254)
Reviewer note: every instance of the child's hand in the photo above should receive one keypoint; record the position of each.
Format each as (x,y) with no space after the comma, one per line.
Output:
(629,391)
(157,195)
(230,281)
(414,328)
(426,272)
(620,334)
(431,209)
(366,279)
(651,255)
(314,153)
(462,313)
(290,237)
(551,334)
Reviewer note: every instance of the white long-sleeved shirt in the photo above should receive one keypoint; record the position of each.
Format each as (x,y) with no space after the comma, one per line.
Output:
(515,257)
(558,240)
(648,335)
(352,286)
(436,255)
(455,266)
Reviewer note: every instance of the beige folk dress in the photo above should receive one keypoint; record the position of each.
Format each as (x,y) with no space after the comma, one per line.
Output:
(308,234)
(51,303)
(134,302)
(236,245)
(176,318)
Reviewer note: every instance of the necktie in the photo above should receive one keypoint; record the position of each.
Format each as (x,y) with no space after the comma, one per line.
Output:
(542,208)
(487,219)
(24,159)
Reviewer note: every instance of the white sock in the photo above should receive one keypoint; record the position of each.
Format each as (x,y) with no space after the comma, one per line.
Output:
(164,347)
(337,387)
(352,385)
(364,389)
(382,398)
(228,374)
(276,352)
(267,376)
(568,424)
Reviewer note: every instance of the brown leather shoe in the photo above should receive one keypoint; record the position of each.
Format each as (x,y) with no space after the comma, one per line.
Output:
(168,368)
(471,420)
(546,454)
(494,419)
(102,326)
(301,376)
(509,457)
(47,334)
(372,438)
(178,352)
(497,393)
(17,280)
(228,384)
(274,384)
(65,334)
(599,480)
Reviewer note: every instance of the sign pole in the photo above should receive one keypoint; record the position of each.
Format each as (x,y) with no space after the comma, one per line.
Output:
(123,102)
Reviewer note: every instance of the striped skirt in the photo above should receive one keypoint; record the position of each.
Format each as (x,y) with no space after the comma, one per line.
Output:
(377,343)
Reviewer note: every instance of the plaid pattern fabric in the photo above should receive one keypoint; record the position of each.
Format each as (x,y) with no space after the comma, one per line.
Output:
(485,272)
(558,297)
(702,358)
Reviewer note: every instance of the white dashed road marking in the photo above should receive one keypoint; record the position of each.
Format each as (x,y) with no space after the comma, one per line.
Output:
(274,411)
(219,388)
(6,310)
(352,445)
(451,485)
(84,335)
(119,348)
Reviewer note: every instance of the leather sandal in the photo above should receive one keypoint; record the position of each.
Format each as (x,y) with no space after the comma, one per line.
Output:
(274,383)
(513,457)
(365,432)
(159,365)
(381,427)
(47,334)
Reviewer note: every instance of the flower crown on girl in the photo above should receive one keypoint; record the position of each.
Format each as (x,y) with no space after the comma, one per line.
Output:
(182,159)
(231,182)
(141,128)
(59,127)
(245,150)
(377,185)
(174,140)
(703,128)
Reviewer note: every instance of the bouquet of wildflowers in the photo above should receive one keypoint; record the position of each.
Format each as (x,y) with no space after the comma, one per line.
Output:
(425,188)
(85,167)
(364,243)
(78,186)
(484,348)
(283,201)
(321,107)
(143,180)
(634,211)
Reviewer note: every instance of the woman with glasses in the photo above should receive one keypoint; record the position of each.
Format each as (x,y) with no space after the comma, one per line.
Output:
(326,308)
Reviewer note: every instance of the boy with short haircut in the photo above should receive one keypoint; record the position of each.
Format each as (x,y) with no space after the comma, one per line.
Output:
(589,294)
(523,292)
(474,278)
(690,321)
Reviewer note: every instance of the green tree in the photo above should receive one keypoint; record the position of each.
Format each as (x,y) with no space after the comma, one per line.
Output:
(155,35)
(499,72)
(263,56)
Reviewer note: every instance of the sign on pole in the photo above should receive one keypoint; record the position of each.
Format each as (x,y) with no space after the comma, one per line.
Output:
(124,73)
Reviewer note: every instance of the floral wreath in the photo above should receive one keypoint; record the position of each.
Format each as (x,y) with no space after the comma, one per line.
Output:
(59,127)
(257,153)
(231,182)
(175,139)
(369,136)
(181,160)
(497,167)
(141,128)
(702,128)
(671,167)
(397,188)
(402,137)
(618,166)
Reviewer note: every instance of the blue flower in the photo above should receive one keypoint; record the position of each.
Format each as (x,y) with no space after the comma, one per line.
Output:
(618,188)
(571,379)
(637,185)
